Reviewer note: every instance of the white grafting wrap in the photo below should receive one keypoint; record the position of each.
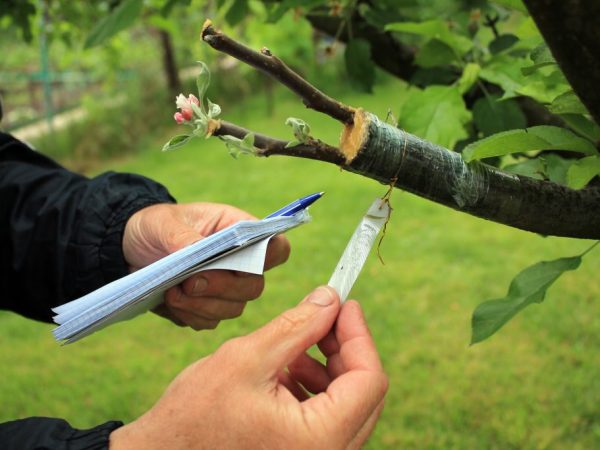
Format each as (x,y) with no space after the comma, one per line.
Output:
(358,248)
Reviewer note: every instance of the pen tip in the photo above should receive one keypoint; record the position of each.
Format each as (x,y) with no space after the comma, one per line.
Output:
(321,193)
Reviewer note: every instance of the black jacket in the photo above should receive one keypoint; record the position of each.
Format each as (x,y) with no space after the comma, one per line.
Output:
(60,238)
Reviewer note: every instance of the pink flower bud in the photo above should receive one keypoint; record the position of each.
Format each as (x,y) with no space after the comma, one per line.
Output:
(187,113)
(178,117)
(193,99)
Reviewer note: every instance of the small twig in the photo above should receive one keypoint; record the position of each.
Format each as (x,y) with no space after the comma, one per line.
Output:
(268,146)
(266,62)
(491,23)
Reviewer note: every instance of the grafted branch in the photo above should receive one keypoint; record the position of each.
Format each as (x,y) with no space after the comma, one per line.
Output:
(387,154)
(273,66)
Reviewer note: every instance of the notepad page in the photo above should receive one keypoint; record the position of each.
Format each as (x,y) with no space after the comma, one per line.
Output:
(109,301)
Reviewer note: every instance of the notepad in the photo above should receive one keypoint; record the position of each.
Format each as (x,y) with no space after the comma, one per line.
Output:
(241,247)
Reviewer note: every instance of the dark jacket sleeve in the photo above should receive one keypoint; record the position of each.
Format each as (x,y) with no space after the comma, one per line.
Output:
(61,233)
(43,433)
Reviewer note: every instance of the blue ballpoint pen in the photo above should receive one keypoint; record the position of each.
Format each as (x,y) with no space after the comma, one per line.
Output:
(296,205)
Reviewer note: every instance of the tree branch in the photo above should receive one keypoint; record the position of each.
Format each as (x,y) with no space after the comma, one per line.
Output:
(387,52)
(377,150)
(273,66)
(269,146)
(572,31)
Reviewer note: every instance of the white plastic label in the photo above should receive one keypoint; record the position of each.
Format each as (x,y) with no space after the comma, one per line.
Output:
(357,250)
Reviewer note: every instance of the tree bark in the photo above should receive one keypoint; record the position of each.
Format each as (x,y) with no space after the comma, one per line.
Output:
(571,28)
(169,64)
(390,155)
(377,150)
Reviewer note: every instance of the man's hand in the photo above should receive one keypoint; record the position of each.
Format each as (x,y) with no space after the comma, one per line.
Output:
(206,298)
(242,396)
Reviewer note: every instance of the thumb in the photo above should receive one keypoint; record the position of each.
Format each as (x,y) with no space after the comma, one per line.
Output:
(287,336)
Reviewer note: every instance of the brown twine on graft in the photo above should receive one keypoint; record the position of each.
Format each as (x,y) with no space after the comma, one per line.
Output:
(386,199)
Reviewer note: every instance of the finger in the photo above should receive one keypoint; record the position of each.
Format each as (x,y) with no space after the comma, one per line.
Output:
(349,401)
(310,373)
(329,344)
(174,297)
(278,251)
(366,430)
(224,284)
(291,385)
(357,348)
(287,336)
(163,310)
(335,366)
(207,307)
(194,321)
(354,395)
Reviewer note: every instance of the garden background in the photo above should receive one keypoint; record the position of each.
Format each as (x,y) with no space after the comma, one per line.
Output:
(534,385)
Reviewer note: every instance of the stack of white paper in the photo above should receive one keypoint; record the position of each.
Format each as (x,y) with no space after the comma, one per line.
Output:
(239,247)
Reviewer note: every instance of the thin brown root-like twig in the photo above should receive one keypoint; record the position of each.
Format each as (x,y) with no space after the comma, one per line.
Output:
(266,62)
(268,146)
(386,200)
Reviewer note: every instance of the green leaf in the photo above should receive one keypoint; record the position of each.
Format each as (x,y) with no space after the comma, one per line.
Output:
(213,109)
(541,57)
(493,116)
(435,53)
(202,82)
(436,113)
(503,42)
(442,75)
(582,125)
(248,142)
(166,9)
(548,166)
(532,168)
(359,66)
(300,128)
(543,137)
(468,77)
(378,14)
(528,287)
(541,54)
(557,167)
(198,111)
(434,29)
(201,125)
(292,144)
(238,146)
(567,103)
(581,172)
(277,11)
(177,141)
(504,70)
(512,4)
(118,19)
(236,12)
(545,88)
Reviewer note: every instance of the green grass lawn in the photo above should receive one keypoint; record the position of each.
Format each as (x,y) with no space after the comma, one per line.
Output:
(534,385)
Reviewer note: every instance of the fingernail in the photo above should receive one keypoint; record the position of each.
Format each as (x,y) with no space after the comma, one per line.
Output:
(321,296)
(200,285)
